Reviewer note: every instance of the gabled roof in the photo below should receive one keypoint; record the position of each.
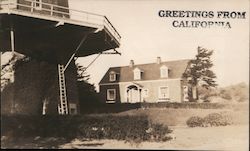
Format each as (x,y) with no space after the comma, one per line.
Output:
(151,71)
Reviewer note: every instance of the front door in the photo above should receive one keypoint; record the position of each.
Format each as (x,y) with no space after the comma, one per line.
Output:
(133,94)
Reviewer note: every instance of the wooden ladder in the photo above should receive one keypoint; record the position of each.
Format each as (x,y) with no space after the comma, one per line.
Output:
(63,105)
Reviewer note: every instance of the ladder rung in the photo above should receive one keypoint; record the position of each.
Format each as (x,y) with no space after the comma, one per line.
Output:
(62,87)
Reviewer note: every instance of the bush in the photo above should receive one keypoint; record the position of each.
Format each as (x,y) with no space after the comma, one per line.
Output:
(195,121)
(217,119)
(225,95)
(130,128)
(158,132)
(213,119)
(206,93)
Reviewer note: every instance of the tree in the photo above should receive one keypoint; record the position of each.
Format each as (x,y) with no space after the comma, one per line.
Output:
(87,93)
(199,72)
(82,74)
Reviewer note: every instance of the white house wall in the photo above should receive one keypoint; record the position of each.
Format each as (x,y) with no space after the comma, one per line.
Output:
(174,86)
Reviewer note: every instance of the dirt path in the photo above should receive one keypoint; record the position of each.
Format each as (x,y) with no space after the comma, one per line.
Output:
(212,138)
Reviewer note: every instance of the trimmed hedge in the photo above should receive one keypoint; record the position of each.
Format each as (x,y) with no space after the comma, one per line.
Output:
(128,128)
(213,119)
(205,105)
(88,108)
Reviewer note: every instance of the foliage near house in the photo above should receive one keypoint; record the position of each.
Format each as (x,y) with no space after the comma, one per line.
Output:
(130,128)
(195,121)
(88,96)
(212,119)
(200,73)
(233,93)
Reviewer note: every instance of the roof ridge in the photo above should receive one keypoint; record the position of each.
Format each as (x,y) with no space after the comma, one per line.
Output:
(151,63)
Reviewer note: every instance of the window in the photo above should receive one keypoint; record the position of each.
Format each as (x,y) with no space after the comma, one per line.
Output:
(164,92)
(72,108)
(111,94)
(164,72)
(185,93)
(37,4)
(112,76)
(145,92)
(137,74)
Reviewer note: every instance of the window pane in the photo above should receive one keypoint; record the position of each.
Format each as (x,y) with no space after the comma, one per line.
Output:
(145,92)
(111,95)
(164,92)
(137,75)
(112,77)
(164,73)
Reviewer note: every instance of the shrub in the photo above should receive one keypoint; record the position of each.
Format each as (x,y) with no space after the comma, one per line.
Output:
(130,128)
(217,119)
(225,95)
(195,121)
(206,93)
(213,119)
(158,132)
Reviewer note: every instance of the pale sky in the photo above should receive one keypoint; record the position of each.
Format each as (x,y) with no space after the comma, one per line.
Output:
(145,35)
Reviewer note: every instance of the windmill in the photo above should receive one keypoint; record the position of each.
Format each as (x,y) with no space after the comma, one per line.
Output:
(52,34)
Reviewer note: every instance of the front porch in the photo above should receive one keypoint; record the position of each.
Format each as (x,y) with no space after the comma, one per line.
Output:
(133,93)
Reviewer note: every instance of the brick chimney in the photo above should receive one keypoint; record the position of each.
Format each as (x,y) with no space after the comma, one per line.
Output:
(158,61)
(131,63)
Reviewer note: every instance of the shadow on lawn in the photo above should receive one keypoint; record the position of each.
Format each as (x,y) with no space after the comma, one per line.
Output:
(44,143)
(108,108)
(32,143)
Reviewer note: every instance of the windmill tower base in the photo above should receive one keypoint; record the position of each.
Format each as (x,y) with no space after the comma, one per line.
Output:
(35,90)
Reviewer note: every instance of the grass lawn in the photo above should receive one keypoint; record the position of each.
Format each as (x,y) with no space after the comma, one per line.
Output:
(233,137)
(178,117)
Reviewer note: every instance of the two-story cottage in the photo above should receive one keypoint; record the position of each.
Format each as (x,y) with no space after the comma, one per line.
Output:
(153,82)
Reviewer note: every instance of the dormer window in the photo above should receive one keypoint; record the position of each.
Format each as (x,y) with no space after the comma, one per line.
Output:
(112,76)
(137,74)
(164,71)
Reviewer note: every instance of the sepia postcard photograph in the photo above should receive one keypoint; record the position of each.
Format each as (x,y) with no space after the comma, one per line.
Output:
(125,74)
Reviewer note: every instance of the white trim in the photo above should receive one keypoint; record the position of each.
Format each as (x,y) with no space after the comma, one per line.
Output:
(110,101)
(108,95)
(114,77)
(137,74)
(185,93)
(138,88)
(162,68)
(145,81)
(160,95)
